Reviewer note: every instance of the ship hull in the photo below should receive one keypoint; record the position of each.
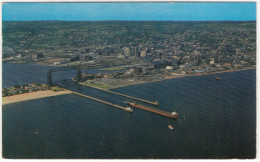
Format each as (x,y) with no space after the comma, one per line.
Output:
(160,112)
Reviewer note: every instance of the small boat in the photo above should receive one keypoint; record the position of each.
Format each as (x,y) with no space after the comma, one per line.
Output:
(217,78)
(170,127)
(128,109)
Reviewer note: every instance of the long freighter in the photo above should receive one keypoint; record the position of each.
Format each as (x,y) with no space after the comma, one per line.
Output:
(160,112)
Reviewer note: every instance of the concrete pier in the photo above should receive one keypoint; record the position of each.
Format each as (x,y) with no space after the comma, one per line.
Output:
(134,98)
(102,101)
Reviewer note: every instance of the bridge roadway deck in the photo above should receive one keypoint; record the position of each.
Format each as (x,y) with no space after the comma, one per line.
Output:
(95,99)
(134,98)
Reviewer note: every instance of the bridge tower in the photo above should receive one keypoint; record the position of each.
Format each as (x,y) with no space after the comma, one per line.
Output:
(49,78)
(79,76)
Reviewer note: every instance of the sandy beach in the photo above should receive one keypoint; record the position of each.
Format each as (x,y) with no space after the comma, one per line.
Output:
(31,96)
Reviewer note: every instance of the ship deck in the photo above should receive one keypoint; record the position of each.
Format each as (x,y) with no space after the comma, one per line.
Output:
(157,111)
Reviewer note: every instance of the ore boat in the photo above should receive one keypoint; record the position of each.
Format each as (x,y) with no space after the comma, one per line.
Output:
(157,111)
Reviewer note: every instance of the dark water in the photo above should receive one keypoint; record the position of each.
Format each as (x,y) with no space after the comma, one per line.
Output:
(14,74)
(217,119)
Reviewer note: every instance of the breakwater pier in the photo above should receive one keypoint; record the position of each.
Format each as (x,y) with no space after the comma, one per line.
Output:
(120,94)
(132,104)
(104,102)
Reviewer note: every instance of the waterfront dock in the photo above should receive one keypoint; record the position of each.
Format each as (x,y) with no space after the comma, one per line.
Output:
(134,98)
(102,101)
(157,111)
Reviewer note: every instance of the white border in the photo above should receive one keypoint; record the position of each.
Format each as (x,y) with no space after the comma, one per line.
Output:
(136,1)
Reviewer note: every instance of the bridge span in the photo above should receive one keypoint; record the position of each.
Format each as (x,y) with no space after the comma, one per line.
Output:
(78,67)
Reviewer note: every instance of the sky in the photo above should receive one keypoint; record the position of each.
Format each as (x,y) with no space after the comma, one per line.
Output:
(129,11)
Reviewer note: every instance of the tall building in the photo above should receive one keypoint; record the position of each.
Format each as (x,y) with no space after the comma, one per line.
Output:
(126,51)
(138,55)
(212,61)
(143,53)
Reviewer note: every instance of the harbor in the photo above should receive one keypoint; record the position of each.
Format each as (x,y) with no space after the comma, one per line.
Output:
(70,123)
(133,104)
(134,98)
(104,102)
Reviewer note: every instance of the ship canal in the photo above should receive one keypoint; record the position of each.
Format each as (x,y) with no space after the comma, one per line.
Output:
(128,105)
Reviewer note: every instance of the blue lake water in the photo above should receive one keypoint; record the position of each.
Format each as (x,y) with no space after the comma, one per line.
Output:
(14,74)
(217,119)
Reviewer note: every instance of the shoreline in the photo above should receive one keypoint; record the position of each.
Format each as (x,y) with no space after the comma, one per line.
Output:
(31,96)
(186,75)
(226,71)
(49,93)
